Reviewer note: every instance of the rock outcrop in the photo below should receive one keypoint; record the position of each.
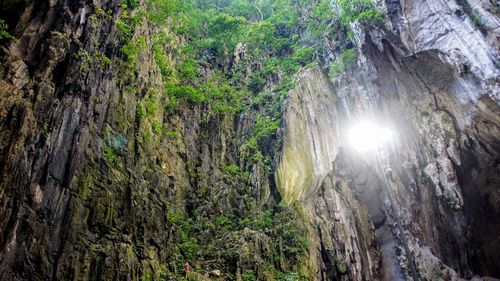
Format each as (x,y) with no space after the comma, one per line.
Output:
(433,79)
(100,179)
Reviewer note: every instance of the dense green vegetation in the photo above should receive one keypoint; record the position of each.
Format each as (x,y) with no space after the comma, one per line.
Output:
(252,51)
(230,58)
(4,33)
(217,238)
(5,37)
(276,39)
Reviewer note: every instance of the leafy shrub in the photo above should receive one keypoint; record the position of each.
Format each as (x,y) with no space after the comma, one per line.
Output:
(131,51)
(303,55)
(160,10)
(265,127)
(248,275)
(4,33)
(171,134)
(159,54)
(124,28)
(347,59)
(188,70)
(232,169)
(110,155)
(186,92)
(176,217)
(359,10)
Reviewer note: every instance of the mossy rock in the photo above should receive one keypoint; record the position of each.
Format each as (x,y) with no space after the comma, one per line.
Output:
(195,276)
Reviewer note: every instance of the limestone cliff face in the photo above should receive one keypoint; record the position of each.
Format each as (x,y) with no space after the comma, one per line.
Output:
(99,180)
(433,79)
(311,121)
(88,180)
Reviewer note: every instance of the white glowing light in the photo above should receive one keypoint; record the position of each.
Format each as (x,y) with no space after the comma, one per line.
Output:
(365,136)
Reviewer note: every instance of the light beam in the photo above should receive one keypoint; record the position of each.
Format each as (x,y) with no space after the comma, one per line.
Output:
(365,135)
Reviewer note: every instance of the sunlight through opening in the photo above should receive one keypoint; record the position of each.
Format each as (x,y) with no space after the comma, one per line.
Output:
(365,135)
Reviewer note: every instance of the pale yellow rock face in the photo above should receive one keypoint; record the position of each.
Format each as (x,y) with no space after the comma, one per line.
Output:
(310,138)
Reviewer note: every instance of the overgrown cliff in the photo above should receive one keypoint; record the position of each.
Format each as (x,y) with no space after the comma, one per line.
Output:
(138,135)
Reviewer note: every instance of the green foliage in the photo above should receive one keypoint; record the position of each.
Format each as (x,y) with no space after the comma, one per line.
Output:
(341,267)
(132,45)
(176,217)
(187,92)
(110,154)
(124,28)
(171,134)
(292,232)
(131,3)
(347,59)
(265,127)
(335,68)
(201,237)
(160,10)
(242,8)
(291,276)
(223,97)
(232,169)
(478,22)
(321,22)
(131,51)
(46,129)
(224,221)
(222,34)
(284,225)
(359,10)
(4,33)
(187,244)
(262,221)
(101,14)
(157,127)
(85,60)
(138,195)
(103,61)
(188,70)
(159,43)
(245,176)
(248,275)
(149,106)
(303,55)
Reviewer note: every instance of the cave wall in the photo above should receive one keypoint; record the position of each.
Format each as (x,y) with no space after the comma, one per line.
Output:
(86,183)
(432,79)
(84,195)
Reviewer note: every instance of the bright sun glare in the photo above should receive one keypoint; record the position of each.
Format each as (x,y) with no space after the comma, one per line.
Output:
(366,135)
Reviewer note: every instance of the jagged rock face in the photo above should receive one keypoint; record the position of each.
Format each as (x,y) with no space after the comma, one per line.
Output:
(308,142)
(86,184)
(84,193)
(433,79)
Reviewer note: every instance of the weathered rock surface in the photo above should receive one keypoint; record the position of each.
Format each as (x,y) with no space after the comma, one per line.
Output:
(86,185)
(433,79)
(309,148)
